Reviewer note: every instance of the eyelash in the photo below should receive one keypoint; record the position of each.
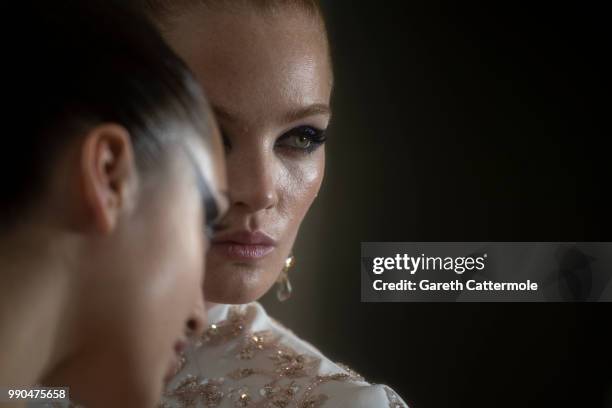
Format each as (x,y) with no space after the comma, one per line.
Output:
(314,136)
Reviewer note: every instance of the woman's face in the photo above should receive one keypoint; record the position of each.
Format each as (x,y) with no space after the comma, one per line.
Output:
(145,281)
(269,80)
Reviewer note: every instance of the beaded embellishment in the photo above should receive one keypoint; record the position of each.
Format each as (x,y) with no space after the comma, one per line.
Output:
(290,379)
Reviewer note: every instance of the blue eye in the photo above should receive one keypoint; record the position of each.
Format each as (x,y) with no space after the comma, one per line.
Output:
(302,138)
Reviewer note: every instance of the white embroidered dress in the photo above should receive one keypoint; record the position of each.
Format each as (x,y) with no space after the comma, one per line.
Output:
(247,359)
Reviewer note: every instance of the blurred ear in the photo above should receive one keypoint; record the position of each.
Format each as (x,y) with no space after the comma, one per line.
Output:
(108,174)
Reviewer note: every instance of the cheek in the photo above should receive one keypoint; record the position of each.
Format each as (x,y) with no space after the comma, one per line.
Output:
(299,184)
(150,286)
(187,241)
(176,286)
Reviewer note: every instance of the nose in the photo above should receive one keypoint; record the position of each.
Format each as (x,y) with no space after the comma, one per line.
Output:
(252,180)
(196,323)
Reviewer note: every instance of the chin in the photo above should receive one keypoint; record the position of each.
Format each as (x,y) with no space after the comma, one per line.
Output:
(237,283)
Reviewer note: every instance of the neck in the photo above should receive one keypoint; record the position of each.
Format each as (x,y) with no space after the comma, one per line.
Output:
(33,294)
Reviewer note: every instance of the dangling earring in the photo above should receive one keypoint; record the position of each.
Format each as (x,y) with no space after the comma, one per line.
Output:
(283,290)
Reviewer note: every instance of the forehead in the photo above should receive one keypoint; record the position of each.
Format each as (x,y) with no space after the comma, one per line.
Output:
(256,63)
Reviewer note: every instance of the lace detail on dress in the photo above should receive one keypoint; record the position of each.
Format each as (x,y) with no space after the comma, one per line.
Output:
(194,389)
(311,400)
(231,328)
(290,377)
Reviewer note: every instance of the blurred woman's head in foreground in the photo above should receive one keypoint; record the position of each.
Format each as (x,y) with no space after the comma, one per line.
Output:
(111,176)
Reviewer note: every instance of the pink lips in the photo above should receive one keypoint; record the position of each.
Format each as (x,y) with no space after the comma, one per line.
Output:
(244,245)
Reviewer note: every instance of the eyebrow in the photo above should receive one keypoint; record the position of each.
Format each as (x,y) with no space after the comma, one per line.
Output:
(311,110)
(223,113)
(290,116)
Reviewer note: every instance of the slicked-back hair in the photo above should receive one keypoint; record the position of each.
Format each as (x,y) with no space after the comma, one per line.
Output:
(75,64)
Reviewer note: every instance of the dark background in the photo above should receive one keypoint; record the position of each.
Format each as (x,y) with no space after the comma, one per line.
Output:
(461,122)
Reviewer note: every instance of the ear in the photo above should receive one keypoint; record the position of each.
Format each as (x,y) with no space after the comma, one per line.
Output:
(108,174)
